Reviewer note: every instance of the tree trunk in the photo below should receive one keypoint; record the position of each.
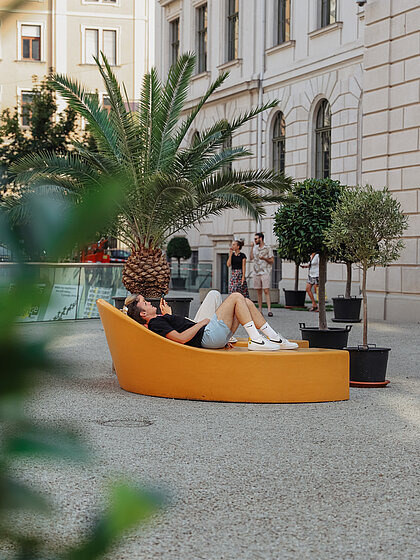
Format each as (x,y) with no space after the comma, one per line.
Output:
(321,292)
(348,281)
(179,267)
(147,272)
(365,316)
(296,277)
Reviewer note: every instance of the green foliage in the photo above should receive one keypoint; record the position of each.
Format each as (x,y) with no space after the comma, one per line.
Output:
(366,227)
(178,248)
(168,186)
(46,130)
(57,227)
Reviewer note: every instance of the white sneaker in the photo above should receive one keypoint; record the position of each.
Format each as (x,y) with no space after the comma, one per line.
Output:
(283,343)
(233,340)
(263,345)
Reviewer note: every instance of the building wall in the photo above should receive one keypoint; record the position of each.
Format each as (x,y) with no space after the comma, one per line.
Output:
(367,66)
(63,23)
(391,142)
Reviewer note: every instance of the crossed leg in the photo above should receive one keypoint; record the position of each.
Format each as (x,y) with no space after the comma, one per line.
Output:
(236,310)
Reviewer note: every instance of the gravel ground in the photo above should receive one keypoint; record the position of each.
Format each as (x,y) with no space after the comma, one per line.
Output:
(329,481)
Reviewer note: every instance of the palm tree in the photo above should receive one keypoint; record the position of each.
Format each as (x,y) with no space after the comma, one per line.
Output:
(167,186)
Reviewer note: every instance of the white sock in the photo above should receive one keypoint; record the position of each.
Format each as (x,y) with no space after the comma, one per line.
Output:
(269,332)
(252,331)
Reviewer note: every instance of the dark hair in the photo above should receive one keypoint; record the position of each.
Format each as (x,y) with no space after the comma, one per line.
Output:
(134,312)
(260,235)
(240,242)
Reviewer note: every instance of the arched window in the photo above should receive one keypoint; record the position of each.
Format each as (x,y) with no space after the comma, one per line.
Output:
(279,143)
(227,145)
(195,138)
(323,140)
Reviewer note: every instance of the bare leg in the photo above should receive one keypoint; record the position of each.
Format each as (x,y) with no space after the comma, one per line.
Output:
(310,294)
(257,317)
(267,298)
(259,296)
(233,310)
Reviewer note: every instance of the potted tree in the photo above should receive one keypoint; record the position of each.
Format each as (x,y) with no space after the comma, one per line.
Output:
(369,224)
(316,200)
(178,248)
(167,185)
(346,307)
(289,228)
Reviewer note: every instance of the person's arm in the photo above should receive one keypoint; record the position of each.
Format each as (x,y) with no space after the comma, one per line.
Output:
(229,261)
(251,256)
(243,270)
(188,334)
(165,308)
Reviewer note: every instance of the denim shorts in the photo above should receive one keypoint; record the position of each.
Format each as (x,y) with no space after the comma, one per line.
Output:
(216,334)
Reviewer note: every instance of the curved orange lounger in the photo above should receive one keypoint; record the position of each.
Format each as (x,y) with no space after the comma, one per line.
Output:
(149,364)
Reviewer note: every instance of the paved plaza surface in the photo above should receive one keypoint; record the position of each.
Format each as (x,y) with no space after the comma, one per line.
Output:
(308,481)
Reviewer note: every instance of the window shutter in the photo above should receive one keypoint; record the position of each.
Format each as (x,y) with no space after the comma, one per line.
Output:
(92,36)
(110,46)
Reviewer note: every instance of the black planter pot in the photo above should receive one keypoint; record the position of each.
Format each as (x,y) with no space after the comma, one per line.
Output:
(178,283)
(368,366)
(347,310)
(180,306)
(336,337)
(294,298)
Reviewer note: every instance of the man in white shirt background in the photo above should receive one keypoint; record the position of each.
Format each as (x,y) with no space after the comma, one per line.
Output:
(263,259)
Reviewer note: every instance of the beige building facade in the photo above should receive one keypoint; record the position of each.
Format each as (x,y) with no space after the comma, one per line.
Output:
(348,83)
(64,35)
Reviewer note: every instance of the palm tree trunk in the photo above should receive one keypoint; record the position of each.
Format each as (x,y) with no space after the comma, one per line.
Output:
(296,277)
(321,292)
(365,316)
(147,272)
(348,281)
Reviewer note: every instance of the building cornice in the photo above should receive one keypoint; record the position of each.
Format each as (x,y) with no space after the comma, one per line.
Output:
(227,92)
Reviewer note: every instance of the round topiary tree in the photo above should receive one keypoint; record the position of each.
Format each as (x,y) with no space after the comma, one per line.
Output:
(178,248)
(291,236)
(366,225)
(316,200)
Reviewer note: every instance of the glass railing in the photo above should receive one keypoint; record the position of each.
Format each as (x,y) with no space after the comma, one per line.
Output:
(70,290)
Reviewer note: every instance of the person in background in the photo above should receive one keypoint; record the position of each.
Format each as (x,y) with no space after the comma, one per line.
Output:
(313,279)
(263,258)
(237,261)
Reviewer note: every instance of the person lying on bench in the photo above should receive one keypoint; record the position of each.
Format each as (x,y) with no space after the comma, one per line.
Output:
(210,333)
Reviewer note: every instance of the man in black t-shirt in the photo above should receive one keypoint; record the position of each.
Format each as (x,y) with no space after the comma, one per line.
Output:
(214,332)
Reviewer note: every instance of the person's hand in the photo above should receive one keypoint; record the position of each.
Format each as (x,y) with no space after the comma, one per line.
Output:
(230,250)
(204,322)
(242,281)
(165,308)
(229,346)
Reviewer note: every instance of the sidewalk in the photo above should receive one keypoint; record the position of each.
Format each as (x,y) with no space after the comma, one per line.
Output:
(313,481)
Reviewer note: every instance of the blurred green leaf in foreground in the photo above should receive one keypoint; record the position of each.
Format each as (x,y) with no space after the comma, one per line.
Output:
(56,227)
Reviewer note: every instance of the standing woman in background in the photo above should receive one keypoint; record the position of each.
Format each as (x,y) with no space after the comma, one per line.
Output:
(237,261)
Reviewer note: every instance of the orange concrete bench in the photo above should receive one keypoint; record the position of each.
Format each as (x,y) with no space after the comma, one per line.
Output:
(149,364)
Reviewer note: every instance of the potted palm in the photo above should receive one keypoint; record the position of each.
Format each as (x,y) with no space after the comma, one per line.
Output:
(369,224)
(178,248)
(167,185)
(289,228)
(316,200)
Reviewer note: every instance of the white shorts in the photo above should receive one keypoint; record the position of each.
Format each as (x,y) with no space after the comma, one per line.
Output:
(262,281)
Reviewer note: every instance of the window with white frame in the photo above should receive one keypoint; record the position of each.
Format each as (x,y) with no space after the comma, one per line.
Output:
(201,18)
(283,21)
(323,140)
(26,98)
(327,12)
(30,42)
(97,40)
(174,39)
(232,29)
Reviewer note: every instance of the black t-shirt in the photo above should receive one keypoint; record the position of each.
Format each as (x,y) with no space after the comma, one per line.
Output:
(164,324)
(237,261)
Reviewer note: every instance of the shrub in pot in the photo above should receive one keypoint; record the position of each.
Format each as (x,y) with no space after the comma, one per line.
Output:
(369,224)
(178,248)
(316,200)
(292,246)
(347,307)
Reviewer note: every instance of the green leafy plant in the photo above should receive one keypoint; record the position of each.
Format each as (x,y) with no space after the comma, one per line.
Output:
(178,248)
(170,184)
(57,227)
(293,242)
(367,225)
(315,200)
(46,129)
